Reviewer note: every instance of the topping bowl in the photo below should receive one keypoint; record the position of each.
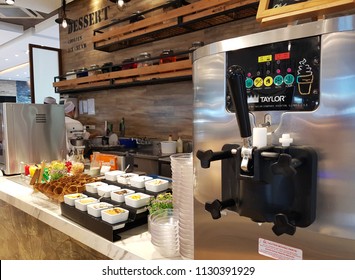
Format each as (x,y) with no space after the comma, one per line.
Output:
(114,215)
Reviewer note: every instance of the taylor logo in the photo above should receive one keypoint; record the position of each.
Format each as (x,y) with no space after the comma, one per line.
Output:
(272,98)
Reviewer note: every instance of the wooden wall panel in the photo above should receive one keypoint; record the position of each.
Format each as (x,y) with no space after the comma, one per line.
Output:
(152,111)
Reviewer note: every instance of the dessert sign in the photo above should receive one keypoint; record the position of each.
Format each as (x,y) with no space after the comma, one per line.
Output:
(287,11)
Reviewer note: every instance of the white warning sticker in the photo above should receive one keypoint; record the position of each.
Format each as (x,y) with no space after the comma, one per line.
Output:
(278,251)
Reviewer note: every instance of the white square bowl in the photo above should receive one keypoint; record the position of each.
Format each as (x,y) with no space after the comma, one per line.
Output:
(157,185)
(70,198)
(114,215)
(137,200)
(92,187)
(105,191)
(138,181)
(125,178)
(112,175)
(82,203)
(95,209)
(120,194)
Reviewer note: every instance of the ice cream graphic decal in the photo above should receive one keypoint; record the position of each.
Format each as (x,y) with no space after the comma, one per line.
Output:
(304,77)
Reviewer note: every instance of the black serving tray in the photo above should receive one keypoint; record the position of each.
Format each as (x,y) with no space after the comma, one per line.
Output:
(136,217)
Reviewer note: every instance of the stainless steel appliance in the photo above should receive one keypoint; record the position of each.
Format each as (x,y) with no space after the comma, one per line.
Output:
(291,198)
(30,133)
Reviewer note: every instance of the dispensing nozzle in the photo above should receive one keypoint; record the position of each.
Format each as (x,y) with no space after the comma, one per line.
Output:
(236,85)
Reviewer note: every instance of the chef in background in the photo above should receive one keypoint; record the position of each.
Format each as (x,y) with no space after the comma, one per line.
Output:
(49,100)
(74,128)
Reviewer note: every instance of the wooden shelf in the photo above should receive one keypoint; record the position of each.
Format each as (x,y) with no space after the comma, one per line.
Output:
(196,16)
(154,74)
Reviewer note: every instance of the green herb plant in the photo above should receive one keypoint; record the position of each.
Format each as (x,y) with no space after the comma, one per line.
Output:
(161,201)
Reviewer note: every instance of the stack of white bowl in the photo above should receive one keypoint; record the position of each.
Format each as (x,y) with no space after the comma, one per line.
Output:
(182,187)
(163,226)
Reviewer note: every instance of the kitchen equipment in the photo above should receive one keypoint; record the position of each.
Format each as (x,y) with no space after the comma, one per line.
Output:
(128,143)
(294,193)
(168,147)
(113,139)
(30,133)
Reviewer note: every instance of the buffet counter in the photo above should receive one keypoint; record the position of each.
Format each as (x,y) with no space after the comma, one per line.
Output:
(20,200)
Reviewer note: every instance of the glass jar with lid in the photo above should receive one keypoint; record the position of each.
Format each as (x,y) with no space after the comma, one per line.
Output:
(167,56)
(94,69)
(129,63)
(70,75)
(143,60)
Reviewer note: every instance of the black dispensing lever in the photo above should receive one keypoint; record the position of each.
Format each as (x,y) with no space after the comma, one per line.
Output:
(237,90)
(206,157)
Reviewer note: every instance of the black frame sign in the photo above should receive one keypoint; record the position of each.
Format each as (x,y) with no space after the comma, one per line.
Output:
(287,11)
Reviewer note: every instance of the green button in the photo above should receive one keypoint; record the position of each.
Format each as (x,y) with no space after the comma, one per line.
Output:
(289,79)
(249,82)
(278,80)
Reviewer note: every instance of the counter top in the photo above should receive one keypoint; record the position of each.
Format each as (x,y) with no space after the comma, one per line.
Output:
(135,243)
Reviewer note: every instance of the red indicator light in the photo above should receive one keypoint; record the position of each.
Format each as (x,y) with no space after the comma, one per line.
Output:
(281,56)
(278,71)
(249,74)
(289,70)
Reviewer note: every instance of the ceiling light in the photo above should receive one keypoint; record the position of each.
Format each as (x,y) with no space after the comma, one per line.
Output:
(120,3)
(63,20)
(10,2)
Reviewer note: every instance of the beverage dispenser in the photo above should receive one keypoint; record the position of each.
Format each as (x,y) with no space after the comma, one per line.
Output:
(273,119)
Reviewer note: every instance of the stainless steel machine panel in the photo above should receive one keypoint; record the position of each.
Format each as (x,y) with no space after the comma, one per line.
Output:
(329,129)
(30,133)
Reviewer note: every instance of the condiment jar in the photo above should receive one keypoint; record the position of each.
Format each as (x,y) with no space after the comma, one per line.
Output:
(94,69)
(128,63)
(142,62)
(70,75)
(167,56)
(83,72)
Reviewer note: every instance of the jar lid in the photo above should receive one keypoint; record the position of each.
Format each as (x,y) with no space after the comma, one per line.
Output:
(167,52)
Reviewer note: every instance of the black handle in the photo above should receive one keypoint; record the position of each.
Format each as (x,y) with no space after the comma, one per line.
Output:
(206,157)
(237,90)
(285,166)
(283,225)
(217,206)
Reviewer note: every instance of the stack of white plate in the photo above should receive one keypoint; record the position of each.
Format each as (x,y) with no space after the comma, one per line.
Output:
(182,187)
(164,230)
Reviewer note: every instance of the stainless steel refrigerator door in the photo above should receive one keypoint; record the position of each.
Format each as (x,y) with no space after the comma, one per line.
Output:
(32,133)
(330,130)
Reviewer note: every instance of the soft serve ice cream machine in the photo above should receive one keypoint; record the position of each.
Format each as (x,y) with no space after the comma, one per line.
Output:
(273,119)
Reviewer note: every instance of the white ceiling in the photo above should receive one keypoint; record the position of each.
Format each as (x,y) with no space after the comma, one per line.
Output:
(14,40)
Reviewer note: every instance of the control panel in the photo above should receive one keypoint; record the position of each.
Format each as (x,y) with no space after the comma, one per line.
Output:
(282,76)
